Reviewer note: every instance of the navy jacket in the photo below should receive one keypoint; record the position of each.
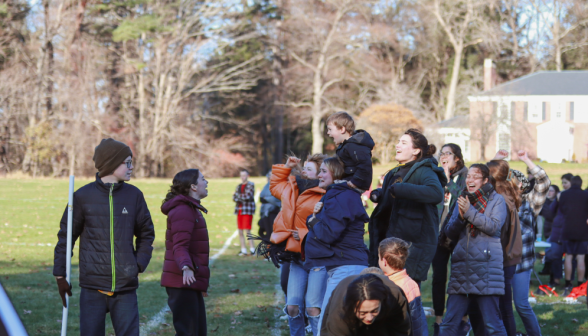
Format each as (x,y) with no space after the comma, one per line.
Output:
(335,236)
(356,155)
(573,204)
(107,218)
(410,214)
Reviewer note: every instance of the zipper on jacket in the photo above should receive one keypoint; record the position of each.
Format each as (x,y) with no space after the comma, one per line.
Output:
(112,263)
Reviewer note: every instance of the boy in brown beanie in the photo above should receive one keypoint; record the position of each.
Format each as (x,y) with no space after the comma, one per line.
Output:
(108,215)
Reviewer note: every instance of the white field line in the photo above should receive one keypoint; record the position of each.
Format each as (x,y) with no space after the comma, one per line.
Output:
(159,318)
(279,295)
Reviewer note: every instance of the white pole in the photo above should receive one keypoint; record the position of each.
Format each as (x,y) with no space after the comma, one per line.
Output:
(68,253)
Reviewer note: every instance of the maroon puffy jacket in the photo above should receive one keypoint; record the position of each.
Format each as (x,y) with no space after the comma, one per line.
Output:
(186,243)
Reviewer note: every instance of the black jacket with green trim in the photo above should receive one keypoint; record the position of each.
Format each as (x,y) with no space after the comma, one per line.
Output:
(105,234)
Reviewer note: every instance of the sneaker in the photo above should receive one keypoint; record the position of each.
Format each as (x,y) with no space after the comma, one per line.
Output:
(284,317)
(567,291)
(309,329)
(435,329)
(242,254)
(520,334)
(252,251)
(464,328)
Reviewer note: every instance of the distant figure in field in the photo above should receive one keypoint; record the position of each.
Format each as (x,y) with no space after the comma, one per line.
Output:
(108,215)
(244,209)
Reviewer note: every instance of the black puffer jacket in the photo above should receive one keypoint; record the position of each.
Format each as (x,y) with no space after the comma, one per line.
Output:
(107,218)
(356,155)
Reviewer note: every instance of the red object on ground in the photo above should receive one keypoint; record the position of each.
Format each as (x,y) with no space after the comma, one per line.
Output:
(578,291)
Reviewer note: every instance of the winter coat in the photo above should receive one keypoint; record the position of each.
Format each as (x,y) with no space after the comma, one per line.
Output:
(454,187)
(269,204)
(573,204)
(245,201)
(356,155)
(295,208)
(335,236)
(410,214)
(396,322)
(186,243)
(476,262)
(548,216)
(106,219)
(413,295)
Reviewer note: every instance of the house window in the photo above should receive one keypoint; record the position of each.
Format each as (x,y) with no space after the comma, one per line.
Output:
(558,114)
(467,146)
(526,111)
(571,111)
(544,111)
(513,107)
(504,141)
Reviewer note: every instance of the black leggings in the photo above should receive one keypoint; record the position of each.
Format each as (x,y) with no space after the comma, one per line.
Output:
(440,262)
(189,314)
(284,275)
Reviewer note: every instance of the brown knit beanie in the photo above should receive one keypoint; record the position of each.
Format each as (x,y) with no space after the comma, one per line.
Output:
(110,154)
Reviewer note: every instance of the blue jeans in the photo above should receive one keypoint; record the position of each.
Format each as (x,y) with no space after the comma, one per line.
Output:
(506,302)
(123,309)
(555,254)
(305,290)
(335,276)
(457,307)
(520,288)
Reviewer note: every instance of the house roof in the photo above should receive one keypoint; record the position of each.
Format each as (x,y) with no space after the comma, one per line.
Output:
(455,122)
(544,83)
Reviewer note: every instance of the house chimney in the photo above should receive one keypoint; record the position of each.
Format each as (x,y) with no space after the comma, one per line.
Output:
(489,74)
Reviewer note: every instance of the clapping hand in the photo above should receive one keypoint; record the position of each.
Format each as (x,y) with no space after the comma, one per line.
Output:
(464,206)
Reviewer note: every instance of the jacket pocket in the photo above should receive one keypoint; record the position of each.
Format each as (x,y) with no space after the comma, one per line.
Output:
(315,249)
(410,220)
(349,170)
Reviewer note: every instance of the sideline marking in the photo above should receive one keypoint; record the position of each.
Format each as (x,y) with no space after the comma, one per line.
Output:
(159,318)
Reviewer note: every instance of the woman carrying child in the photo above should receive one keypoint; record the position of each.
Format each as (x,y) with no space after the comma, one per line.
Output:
(299,195)
(185,268)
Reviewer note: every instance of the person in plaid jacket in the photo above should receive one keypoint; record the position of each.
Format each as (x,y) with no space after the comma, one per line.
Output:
(244,209)
(533,194)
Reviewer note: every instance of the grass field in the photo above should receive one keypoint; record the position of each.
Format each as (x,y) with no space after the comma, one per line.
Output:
(30,211)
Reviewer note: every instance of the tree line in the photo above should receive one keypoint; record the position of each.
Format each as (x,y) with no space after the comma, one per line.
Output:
(224,84)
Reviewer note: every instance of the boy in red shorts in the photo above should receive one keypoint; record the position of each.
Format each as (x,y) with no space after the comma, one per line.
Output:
(244,209)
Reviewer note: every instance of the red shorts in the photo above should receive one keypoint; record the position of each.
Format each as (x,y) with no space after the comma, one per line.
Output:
(244,221)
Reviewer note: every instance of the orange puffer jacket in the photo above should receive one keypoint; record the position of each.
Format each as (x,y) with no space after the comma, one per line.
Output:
(295,208)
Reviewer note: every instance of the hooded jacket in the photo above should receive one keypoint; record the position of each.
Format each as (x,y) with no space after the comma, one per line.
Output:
(356,155)
(476,262)
(106,219)
(335,237)
(186,243)
(295,207)
(410,214)
(395,322)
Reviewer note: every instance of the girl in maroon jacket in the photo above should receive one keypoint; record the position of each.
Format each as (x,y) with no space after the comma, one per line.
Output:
(185,269)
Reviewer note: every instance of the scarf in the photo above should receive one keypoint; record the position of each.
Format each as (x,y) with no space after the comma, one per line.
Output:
(479,200)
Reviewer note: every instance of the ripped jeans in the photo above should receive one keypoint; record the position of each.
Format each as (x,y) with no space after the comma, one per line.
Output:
(306,289)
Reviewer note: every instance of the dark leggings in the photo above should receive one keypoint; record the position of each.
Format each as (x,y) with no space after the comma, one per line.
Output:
(284,275)
(440,262)
(506,302)
(189,314)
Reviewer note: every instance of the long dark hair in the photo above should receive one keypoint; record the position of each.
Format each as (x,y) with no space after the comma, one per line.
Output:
(181,183)
(365,287)
(485,172)
(457,152)
(420,141)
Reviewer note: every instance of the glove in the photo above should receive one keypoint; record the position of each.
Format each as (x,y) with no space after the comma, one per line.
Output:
(312,222)
(64,287)
(374,195)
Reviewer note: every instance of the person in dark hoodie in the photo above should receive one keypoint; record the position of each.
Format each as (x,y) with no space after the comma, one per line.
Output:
(107,216)
(185,268)
(335,234)
(354,149)
(573,204)
(407,204)
(451,160)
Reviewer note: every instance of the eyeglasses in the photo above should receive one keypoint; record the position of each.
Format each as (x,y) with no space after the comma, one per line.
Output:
(445,154)
(475,177)
(128,163)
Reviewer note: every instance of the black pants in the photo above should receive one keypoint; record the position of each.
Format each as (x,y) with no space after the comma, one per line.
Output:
(122,307)
(440,262)
(284,275)
(189,314)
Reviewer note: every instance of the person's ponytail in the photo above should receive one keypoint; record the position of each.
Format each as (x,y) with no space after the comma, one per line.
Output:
(431,150)
(181,184)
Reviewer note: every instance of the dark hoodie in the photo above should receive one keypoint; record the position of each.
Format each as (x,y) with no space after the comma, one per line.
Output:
(410,213)
(356,155)
(186,243)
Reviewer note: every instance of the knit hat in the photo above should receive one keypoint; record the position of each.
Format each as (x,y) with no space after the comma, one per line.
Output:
(522,178)
(110,154)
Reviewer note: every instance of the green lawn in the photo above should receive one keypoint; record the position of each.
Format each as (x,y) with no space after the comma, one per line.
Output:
(30,211)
